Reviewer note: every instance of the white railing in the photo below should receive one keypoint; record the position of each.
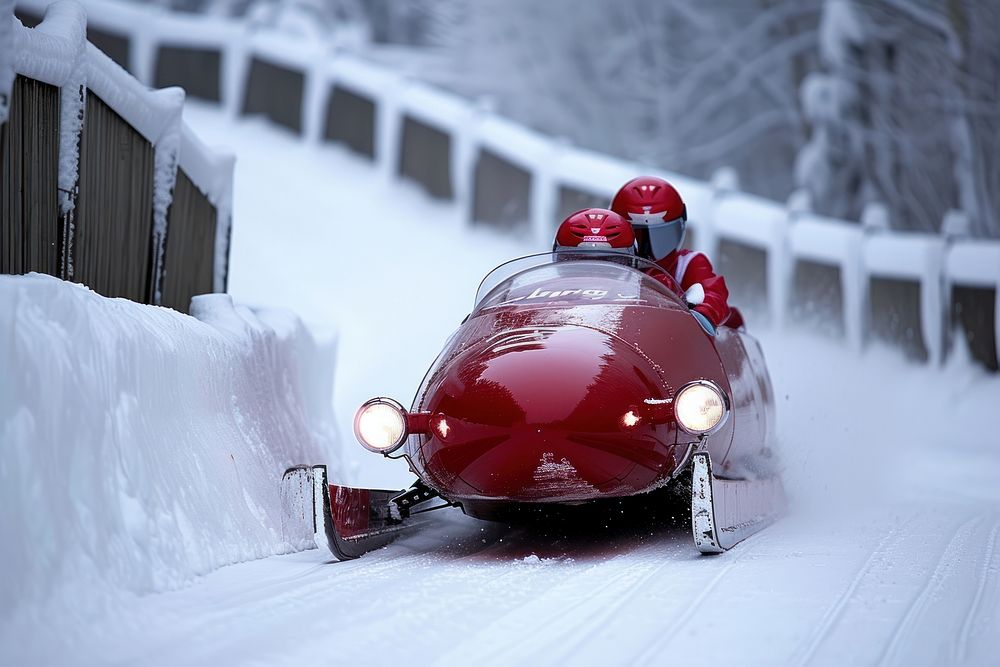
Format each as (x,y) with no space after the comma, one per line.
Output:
(719,211)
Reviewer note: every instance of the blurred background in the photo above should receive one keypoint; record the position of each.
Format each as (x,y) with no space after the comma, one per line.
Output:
(847,101)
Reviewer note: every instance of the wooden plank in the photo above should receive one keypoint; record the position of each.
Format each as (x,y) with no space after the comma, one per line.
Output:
(112,251)
(190,246)
(29,180)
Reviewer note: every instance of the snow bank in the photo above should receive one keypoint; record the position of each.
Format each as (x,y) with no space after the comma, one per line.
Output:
(142,447)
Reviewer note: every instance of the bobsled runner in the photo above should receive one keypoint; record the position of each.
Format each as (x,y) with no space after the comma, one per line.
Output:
(578,378)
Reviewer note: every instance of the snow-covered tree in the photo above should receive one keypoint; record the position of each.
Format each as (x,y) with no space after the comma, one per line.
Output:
(904,111)
(689,86)
(831,165)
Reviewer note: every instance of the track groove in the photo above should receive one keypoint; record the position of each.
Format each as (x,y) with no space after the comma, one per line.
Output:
(942,571)
(833,614)
(986,573)
(544,627)
(653,654)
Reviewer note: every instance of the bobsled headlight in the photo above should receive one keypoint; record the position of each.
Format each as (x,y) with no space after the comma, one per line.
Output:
(380,425)
(700,407)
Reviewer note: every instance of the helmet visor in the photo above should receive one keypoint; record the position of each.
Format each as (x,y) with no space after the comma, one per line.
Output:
(656,240)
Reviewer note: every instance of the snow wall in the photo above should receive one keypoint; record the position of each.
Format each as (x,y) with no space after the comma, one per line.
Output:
(142,447)
(869,279)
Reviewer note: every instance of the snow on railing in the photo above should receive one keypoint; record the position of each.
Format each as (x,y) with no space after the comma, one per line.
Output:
(56,52)
(788,236)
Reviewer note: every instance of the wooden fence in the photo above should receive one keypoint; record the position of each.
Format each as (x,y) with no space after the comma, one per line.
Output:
(106,198)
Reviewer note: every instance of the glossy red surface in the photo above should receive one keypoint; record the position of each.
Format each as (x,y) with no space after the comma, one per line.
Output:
(535,397)
(350,509)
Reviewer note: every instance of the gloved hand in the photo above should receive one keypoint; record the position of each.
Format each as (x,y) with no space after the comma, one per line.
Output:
(705,323)
(694,295)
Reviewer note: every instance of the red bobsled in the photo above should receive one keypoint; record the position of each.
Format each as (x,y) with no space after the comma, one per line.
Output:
(577,378)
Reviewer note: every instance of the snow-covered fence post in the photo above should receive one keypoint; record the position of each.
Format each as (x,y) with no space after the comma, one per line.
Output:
(388,129)
(234,71)
(545,197)
(142,53)
(723,182)
(313,96)
(777,270)
(464,148)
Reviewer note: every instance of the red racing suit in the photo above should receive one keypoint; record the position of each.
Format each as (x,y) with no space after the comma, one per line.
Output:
(688,268)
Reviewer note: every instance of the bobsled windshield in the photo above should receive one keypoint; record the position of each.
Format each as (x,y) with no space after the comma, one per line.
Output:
(574,278)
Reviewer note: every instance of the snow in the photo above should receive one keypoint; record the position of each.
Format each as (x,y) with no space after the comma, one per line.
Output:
(904,255)
(839,28)
(50,52)
(142,447)
(753,221)
(975,263)
(890,554)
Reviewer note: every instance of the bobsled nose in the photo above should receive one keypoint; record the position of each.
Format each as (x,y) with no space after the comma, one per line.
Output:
(545,415)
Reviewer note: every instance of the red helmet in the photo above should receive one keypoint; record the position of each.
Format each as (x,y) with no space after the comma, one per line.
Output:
(596,228)
(657,213)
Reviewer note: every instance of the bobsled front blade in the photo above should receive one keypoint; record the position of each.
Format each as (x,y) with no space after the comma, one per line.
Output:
(343,521)
(352,521)
(725,512)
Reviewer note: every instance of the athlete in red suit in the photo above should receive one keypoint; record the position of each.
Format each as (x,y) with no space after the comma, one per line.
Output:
(659,217)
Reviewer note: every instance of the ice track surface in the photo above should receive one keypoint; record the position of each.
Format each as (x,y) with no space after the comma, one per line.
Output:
(891,555)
